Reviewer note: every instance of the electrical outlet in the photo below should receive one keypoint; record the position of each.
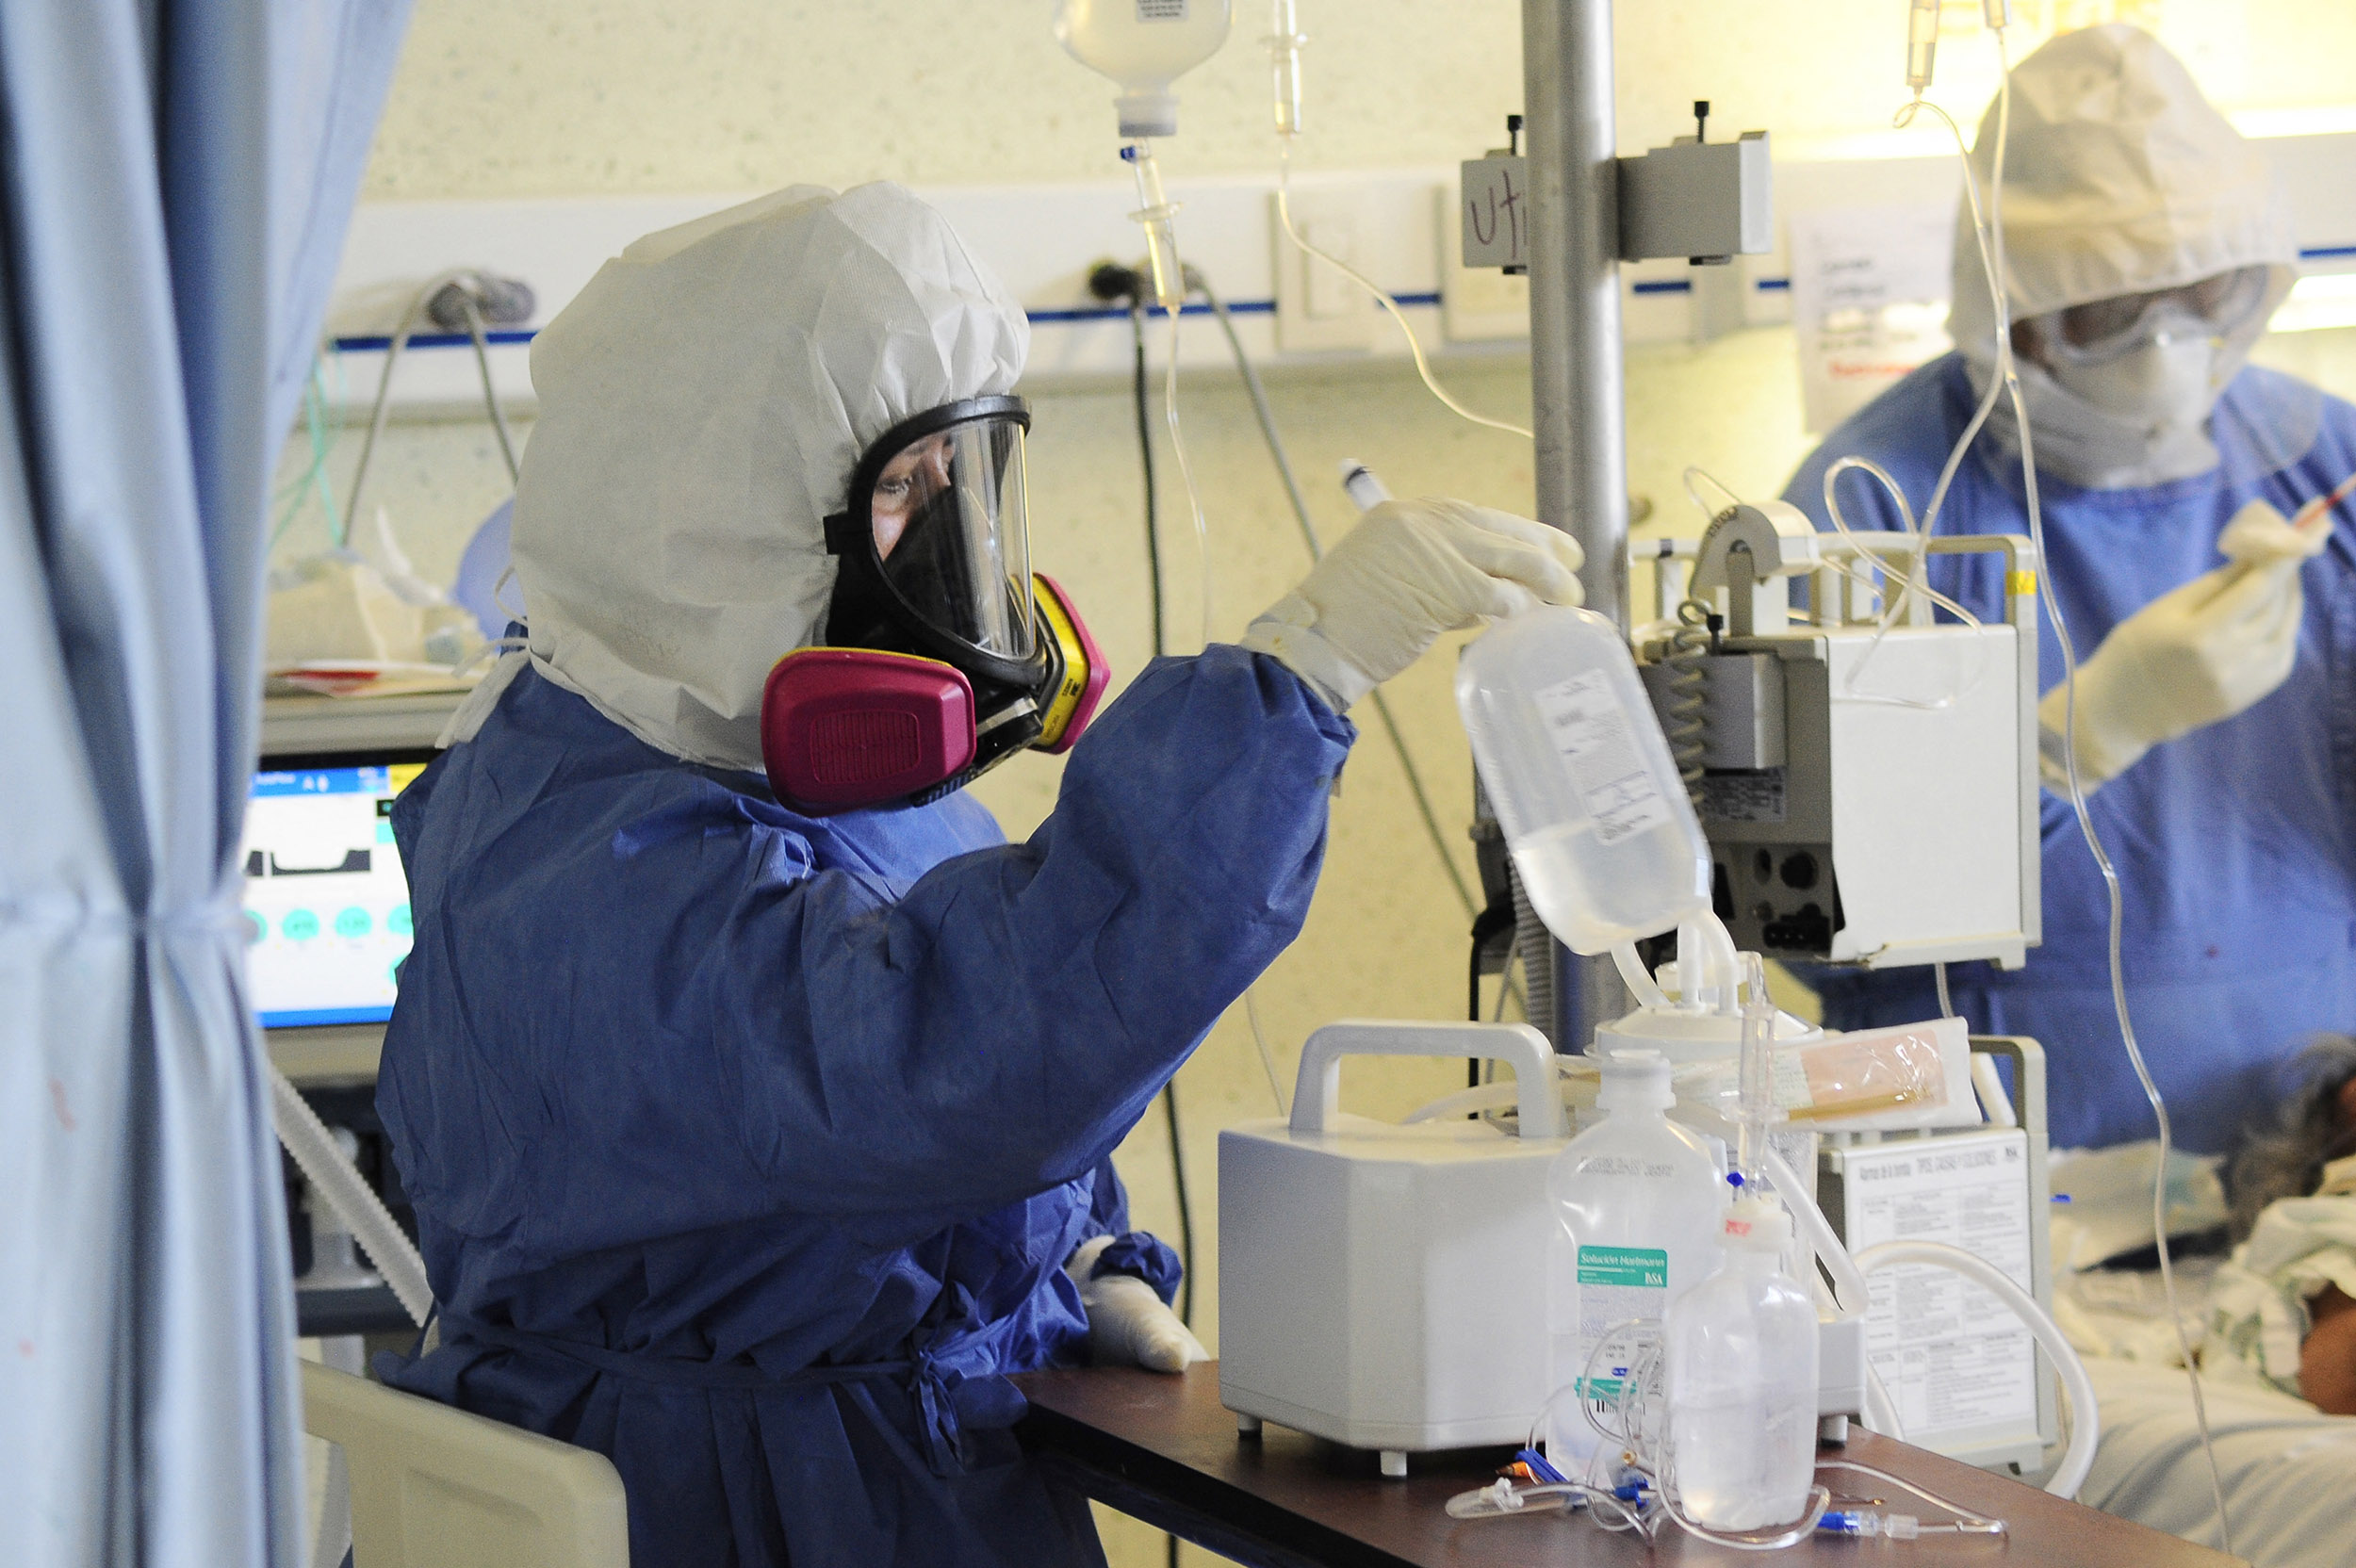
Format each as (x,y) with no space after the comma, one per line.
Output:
(1317,307)
(1477,305)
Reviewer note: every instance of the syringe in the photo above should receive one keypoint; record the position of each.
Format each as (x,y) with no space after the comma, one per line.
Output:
(1365,490)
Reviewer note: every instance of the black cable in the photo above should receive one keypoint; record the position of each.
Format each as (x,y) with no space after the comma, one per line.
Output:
(1472,1011)
(1495,922)
(1186,1208)
(1109,282)
(1153,557)
(1145,460)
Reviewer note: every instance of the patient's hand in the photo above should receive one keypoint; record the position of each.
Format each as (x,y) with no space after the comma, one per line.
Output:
(2326,1361)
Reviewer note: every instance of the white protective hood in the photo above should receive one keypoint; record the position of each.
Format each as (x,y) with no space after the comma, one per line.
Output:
(2119,178)
(702,404)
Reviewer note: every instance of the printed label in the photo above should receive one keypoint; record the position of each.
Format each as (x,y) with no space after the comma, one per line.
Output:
(1616,1284)
(1627,1165)
(1955,1357)
(1747,795)
(1596,741)
(1161,11)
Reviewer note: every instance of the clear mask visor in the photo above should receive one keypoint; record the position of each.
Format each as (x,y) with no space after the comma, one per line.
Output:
(950,525)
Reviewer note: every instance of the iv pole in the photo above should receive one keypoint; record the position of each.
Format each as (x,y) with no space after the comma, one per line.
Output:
(1578,394)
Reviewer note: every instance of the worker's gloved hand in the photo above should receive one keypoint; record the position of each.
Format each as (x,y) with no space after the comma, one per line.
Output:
(1128,1325)
(2196,655)
(1408,572)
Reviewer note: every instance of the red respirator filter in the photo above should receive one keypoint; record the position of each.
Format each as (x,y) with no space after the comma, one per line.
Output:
(845,728)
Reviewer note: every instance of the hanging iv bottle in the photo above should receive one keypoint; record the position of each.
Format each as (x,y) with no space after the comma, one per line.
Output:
(1143,45)
(1581,778)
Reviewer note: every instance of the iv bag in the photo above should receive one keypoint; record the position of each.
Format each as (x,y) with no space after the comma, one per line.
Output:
(1581,778)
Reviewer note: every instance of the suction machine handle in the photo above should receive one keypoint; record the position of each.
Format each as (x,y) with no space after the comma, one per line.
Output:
(1317,1094)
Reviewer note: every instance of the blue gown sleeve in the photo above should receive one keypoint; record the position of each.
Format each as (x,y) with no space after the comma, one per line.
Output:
(714,1032)
(1137,1253)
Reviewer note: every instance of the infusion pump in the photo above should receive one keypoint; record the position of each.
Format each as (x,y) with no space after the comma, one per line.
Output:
(1868,784)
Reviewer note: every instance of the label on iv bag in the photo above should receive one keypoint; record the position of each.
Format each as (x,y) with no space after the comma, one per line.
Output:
(1616,1284)
(1595,740)
(1161,11)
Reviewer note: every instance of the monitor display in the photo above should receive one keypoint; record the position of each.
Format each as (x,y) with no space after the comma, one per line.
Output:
(326,904)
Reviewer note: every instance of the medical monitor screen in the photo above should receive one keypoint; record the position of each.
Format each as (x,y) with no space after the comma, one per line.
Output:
(326,904)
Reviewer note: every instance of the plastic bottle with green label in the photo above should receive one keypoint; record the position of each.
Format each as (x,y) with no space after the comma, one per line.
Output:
(1581,778)
(1642,1203)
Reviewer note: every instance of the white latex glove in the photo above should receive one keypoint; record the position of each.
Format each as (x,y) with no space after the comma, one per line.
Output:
(1128,1325)
(2196,655)
(1408,572)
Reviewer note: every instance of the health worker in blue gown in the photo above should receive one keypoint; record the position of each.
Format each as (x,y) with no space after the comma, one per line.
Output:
(757,1097)
(2215,725)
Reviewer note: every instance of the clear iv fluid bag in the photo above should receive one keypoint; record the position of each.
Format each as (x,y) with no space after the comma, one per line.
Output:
(1143,45)
(1581,778)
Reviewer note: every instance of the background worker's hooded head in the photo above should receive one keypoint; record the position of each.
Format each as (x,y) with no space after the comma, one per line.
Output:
(703,402)
(2119,178)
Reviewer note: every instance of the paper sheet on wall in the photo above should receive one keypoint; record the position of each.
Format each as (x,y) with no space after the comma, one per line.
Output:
(1869,301)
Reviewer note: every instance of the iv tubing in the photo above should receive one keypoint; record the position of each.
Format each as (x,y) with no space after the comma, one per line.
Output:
(1992,251)
(1641,985)
(1169,291)
(1382,298)
(1966,1522)
(1988,230)
(2084,1425)
(1849,1292)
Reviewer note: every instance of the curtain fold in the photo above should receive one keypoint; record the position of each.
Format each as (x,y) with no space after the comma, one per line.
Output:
(175,178)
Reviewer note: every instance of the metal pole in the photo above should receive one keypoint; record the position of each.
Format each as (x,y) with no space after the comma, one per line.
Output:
(1577,406)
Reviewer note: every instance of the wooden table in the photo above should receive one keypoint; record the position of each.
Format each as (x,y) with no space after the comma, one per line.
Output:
(1163,1449)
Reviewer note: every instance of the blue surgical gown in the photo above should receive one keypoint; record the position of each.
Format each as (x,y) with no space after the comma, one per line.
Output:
(2234,844)
(748,1148)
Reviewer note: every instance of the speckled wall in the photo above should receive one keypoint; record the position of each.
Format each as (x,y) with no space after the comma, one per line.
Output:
(537,97)
(548,97)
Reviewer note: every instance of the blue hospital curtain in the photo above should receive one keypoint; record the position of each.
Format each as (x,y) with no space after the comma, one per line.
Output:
(176,179)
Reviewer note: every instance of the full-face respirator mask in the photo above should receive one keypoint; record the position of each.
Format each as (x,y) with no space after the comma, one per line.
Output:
(943,654)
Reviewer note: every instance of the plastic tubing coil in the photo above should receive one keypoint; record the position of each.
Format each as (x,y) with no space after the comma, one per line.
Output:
(337,1180)
(2084,1425)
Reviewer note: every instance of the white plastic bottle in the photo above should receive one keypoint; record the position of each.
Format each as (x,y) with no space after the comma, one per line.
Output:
(1144,46)
(1581,778)
(1742,1361)
(1640,1202)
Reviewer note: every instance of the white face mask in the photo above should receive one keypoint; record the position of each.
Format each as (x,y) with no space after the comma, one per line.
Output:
(2085,443)
(2166,382)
